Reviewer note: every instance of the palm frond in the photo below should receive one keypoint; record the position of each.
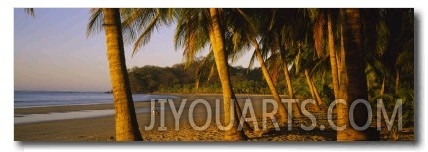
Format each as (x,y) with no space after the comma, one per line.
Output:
(29,11)
(96,22)
(252,60)
(144,37)
(191,32)
(382,38)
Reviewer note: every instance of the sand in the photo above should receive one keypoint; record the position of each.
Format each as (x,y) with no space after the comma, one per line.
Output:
(102,128)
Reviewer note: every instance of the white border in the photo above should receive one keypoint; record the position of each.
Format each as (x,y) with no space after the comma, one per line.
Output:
(6,76)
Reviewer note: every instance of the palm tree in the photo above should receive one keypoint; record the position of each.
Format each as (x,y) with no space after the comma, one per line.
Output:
(281,109)
(279,33)
(197,28)
(312,66)
(125,118)
(265,24)
(388,42)
(353,84)
(313,90)
(216,39)
(29,11)
(391,64)
(248,35)
(320,18)
(139,23)
(332,53)
(347,64)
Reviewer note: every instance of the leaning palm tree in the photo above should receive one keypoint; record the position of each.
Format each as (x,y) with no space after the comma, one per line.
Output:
(125,118)
(310,66)
(247,36)
(138,25)
(325,27)
(279,32)
(207,69)
(196,29)
(272,88)
(216,38)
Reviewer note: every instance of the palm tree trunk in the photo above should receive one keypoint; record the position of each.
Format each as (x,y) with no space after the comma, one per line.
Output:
(125,119)
(340,55)
(333,60)
(397,81)
(281,108)
(352,81)
(317,95)
(382,89)
(216,38)
(238,114)
(296,110)
(312,90)
(288,81)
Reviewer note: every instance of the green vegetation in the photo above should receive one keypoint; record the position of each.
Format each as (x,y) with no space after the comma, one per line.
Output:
(324,54)
(181,79)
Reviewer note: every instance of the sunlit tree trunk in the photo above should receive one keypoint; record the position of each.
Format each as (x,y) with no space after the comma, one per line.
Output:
(288,81)
(340,54)
(317,95)
(382,89)
(238,114)
(216,39)
(296,109)
(281,109)
(312,90)
(332,53)
(125,118)
(397,81)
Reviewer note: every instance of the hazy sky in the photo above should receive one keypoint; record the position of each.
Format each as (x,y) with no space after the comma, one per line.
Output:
(51,52)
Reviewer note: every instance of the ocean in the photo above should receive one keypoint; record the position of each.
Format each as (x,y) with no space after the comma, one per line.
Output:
(26,99)
(61,98)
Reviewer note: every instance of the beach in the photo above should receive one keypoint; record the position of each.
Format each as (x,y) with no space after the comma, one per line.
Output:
(101,127)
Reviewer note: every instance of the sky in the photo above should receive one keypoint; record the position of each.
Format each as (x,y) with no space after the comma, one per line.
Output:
(52,52)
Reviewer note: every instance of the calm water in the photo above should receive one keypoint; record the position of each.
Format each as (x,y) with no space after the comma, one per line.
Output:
(57,98)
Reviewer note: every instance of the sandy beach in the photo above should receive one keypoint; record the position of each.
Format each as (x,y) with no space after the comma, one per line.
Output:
(101,128)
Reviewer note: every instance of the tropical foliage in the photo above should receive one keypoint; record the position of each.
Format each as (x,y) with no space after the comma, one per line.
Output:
(324,54)
(181,79)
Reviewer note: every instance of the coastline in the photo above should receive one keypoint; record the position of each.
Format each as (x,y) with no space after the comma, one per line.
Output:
(101,128)
(88,129)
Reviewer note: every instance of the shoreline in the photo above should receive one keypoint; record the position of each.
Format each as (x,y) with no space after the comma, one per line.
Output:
(28,100)
(92,129)
(102,128)
(175,95)
(103,106)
